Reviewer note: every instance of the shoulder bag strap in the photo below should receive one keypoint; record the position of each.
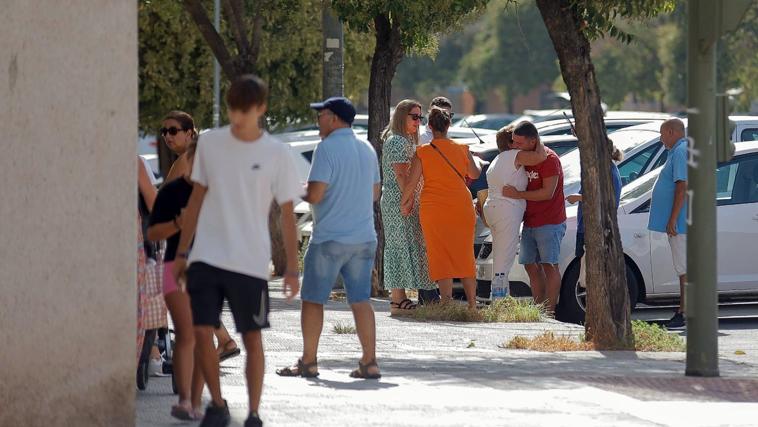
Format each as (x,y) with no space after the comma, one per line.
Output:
(449,163)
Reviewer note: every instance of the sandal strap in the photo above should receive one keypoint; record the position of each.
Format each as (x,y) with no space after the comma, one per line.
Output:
(407,304)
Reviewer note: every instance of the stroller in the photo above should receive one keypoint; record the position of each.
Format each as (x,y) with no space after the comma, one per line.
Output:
(156,318)
(163,338)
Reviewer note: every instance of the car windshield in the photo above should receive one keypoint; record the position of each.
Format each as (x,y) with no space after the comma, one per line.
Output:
(639,187)
(625,140)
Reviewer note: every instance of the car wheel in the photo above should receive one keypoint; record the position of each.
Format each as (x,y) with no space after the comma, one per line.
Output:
(572,304)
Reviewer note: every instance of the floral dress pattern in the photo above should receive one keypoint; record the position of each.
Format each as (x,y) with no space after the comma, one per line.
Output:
(405,261)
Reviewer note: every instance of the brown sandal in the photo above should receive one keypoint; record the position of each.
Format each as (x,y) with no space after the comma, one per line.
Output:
(303,370)
(362,371)
(404,307)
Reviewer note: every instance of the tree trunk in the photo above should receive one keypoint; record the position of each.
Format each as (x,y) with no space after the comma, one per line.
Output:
(608,316)
(387,55)
(278,254)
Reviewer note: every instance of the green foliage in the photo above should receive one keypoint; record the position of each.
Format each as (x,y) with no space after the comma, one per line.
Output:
(601,17)
(738,60)
(176,65)
(419,22)
(511,52)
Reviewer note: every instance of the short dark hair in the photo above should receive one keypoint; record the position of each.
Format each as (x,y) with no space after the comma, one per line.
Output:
(526,129)
(439,119)
(441,102)
(247,91)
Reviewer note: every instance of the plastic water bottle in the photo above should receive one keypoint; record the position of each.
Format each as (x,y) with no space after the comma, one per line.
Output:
(496,287)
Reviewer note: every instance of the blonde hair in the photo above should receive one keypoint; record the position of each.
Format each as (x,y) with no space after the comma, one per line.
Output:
(399,119)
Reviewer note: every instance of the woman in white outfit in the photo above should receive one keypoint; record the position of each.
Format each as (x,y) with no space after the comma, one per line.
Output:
(504,215)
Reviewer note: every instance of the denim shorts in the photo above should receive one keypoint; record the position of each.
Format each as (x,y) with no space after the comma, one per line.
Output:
(325,261)
(541,245)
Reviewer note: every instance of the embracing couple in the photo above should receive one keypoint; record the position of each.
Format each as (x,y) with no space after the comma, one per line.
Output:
(526,183)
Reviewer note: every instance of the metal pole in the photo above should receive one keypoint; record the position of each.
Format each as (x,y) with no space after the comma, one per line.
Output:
(332,84)
(216,69)
(701,302)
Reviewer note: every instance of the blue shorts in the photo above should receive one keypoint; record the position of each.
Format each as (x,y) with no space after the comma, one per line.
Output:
(325,261)
(541,245)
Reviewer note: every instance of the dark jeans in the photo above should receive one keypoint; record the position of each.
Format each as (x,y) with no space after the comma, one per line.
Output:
(579,251)
(428,296)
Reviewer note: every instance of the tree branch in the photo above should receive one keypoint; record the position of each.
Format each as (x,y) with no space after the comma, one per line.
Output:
(257,36)
(211,36)
(235,13)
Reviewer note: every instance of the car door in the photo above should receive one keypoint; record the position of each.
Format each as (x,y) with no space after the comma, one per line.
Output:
(737,219)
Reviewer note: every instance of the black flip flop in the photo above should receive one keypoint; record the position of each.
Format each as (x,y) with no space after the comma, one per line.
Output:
(228,354)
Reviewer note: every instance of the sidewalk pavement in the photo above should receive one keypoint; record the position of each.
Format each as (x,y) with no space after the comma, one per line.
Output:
(456,374)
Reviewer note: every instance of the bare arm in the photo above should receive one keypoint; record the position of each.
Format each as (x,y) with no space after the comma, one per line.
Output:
(289,234)
(413,178)
(377,191)
(402,171)
(474,170)
(679,194)
(315,191)
(531,158)
(145,186)
(189,226)
(547,191)
(163,230)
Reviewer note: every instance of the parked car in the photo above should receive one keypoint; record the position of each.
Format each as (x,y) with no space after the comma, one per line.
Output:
(485,121)
(643,150)
(614,120)
(649,267)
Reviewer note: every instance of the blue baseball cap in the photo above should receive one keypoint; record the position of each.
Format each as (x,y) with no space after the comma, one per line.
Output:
(340,106)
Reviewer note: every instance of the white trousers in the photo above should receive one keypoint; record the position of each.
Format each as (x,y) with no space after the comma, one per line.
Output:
(504,219)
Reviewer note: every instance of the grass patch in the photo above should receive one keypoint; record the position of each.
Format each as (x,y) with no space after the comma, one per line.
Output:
(509,310)
(512,310)
(653,337)
(343,328)
(648,337)
(548,342)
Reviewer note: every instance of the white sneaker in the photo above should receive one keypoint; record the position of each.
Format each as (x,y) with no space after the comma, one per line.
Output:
(155,367)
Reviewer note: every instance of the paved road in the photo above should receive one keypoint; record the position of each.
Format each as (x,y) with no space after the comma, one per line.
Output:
(433,375)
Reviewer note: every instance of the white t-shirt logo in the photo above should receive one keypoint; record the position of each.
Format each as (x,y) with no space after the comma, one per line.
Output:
(532,175)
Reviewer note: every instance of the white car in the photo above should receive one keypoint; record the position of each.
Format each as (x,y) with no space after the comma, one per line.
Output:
(614,120)
(650,273)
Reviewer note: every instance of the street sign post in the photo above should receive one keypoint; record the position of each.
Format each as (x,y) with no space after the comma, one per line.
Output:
(708,20)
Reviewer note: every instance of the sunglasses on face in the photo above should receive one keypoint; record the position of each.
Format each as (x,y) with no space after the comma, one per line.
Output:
(173,130)
(416,117)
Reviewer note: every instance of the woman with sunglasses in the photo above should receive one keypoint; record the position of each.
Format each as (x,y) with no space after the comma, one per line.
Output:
(405,261)
(178,131)
(446,210)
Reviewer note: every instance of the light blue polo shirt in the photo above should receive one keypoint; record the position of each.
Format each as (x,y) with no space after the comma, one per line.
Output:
(350,168)
(675,169)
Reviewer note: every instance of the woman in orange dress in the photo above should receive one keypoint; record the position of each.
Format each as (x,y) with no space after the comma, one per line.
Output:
(446,210)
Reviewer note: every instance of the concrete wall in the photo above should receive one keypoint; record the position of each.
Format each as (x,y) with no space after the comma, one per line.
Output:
(68,129)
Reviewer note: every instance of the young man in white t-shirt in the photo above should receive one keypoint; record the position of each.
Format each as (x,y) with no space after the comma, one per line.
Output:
(238,170)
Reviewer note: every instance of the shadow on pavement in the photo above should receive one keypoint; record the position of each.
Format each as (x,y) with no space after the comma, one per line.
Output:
(352,384)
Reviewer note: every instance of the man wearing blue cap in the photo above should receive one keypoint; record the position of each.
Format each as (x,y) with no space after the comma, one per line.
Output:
(342,186)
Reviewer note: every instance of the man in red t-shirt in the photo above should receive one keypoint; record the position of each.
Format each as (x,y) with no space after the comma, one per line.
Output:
(544,219)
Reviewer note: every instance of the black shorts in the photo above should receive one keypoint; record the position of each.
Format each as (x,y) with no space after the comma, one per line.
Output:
(248,297)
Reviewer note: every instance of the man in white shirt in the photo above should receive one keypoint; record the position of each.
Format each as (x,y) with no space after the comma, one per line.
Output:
(425,137)
(238,170)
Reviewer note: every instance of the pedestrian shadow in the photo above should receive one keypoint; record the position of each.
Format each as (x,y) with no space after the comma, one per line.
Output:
(357,384)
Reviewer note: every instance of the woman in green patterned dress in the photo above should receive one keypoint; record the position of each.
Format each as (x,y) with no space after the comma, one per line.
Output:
(405,262)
